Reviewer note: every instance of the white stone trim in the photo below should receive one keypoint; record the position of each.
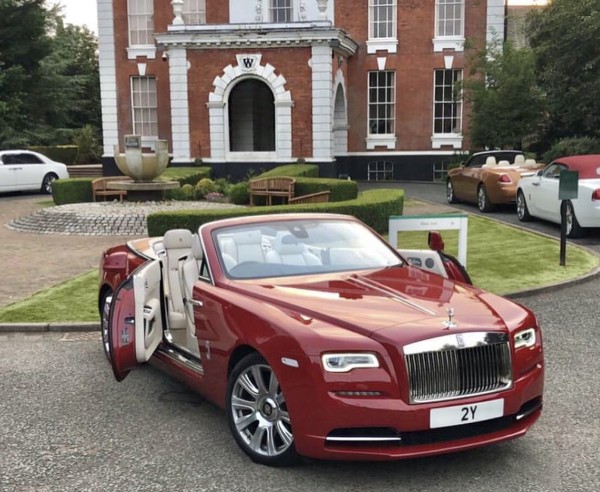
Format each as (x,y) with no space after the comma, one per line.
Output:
(388,141)
(375,45)
(180,114)
(448,43)
(454,139)
(219,118)
(340,127)
(322,104)
(148,51)
(108,77)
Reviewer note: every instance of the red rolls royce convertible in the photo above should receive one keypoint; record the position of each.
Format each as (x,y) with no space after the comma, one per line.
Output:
(321,340)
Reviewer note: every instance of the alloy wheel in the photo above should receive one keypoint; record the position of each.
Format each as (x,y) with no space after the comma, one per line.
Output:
(104,324)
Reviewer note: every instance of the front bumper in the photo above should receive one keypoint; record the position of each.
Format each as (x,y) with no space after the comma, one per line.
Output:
(374,428)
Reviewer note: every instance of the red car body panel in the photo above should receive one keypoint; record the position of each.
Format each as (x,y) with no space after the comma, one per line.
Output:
(302,317)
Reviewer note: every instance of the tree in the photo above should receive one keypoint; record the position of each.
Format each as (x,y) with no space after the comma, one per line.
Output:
(507,105)
(564,37)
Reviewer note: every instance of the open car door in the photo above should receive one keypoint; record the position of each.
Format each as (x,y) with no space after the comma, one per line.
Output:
(135,323)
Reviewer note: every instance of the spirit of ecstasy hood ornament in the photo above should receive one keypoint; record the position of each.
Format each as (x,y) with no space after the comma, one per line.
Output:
(450,324)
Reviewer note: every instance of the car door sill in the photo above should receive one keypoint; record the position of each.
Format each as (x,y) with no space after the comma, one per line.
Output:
(183,358)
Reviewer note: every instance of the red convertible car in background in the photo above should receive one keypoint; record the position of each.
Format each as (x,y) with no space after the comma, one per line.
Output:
(320,340)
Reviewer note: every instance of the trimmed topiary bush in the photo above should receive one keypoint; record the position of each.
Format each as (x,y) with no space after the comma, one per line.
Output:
(373,207)
(341,189)
(72,190)
(238,194)
(206,186)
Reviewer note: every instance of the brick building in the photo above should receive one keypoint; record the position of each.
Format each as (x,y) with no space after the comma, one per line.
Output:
(360,87)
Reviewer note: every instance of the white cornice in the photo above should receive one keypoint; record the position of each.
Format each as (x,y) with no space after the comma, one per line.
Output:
(227,36)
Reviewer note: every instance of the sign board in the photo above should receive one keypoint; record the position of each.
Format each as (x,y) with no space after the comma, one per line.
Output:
(442,222)
(568,185)
(133,142)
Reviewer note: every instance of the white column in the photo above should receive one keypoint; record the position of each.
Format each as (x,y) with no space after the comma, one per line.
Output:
(180,112)
(322,104)
(108,76)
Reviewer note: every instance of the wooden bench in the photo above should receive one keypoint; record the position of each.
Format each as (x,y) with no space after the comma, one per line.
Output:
(99,187)
(319,197)
(270,187)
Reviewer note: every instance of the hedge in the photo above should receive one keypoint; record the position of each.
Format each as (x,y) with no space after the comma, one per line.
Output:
(373,207)
(293,171)
(67,154)
(341,189)
(77,190)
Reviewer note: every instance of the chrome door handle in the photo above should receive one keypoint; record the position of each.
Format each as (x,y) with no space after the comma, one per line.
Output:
(195,302)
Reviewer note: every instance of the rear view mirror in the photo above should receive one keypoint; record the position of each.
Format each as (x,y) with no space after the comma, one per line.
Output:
(435,241)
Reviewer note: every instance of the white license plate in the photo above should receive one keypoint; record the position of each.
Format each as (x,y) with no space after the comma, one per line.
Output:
(466,414)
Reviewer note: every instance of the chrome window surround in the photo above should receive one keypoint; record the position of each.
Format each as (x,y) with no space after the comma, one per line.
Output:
(458,365)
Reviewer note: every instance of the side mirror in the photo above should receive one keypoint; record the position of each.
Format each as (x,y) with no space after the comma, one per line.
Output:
(539,173)
(435,241)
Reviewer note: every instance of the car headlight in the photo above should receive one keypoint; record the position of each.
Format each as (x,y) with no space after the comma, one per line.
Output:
(525,338)
(347,362)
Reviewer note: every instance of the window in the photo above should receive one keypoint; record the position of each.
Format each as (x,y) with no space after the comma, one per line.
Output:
(144,106)
(382,103)
(194,12)
(141,22)
(281,11)
(450,18)
(382,19)
(380,171)
(447,103)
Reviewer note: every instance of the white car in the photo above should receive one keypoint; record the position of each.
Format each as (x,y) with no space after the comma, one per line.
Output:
(24,170)
(537,196)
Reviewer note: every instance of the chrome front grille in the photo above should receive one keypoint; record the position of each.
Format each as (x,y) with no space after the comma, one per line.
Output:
(455,366)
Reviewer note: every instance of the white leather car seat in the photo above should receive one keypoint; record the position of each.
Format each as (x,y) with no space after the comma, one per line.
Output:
(178,244)
(289,251)
(248,245)
(519,160)
(503,163)
(189,271)
(490,161)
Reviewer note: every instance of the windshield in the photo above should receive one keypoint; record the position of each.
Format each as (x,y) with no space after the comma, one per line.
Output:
(300,247)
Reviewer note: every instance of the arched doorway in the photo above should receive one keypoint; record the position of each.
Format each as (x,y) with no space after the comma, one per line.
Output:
(251,117)
(340,122)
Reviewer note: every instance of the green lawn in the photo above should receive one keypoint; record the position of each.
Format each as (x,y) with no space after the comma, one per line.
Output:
(500,259)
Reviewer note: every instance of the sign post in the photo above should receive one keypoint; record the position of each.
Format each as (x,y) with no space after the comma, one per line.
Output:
(568,186)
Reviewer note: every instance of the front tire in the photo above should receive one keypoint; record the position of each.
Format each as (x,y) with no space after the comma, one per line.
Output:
(104,312)
(522,210)
(450,192)
(483,201)
(257,413)
(47,183)
(574,230)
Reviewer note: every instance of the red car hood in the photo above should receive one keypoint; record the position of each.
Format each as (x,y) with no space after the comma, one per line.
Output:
(401,303)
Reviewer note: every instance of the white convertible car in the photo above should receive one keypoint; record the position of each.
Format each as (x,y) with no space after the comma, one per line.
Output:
(537,196)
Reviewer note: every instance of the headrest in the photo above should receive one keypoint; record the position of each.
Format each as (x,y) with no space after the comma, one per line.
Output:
(519,159)
(247,237)
(530,162)
(288,245)
(177,238)
(504,163)
(490,161)
(196,247)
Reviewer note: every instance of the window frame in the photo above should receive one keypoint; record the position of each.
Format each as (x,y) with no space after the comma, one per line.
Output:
(455,41)
(286,10)
(147,49)
(147,137)
(382,43)
(453,137)
(194,12)
(388,102)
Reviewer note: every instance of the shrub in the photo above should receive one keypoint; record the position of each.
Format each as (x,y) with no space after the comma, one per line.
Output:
(88,148)
(341,189)
(186,175)
(373,207)
(72,190)
(238,194)
(67,154)
(293,171)
(188,191)
(572,146)
(205,186)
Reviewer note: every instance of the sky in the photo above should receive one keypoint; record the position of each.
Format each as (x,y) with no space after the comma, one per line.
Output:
(80,12)
(83,12)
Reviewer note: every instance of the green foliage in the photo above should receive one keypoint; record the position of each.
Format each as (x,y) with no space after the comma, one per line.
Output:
(506,101)
(188,192)
(186,175)
(564,37)
(72,190)
(572,146)
(206,186)
(239,194)
(373,207)
(292,171)
(89,150)
(341,189)
(59,153)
